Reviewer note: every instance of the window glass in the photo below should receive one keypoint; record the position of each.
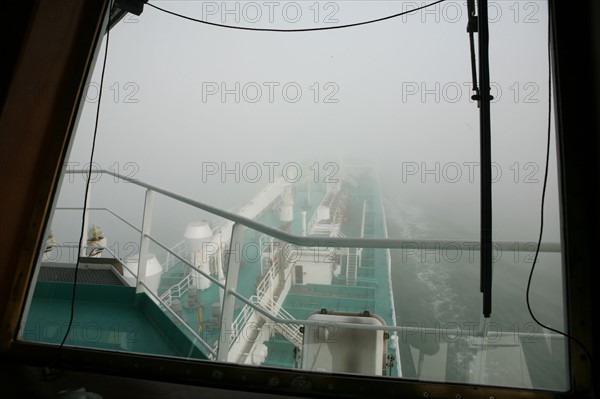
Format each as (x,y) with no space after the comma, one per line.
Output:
(364,132)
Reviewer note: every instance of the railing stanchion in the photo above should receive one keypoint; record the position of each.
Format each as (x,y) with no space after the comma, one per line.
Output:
(144,240)
(233,269)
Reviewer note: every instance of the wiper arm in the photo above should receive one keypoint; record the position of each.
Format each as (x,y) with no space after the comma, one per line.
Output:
(472,28)
(479,23)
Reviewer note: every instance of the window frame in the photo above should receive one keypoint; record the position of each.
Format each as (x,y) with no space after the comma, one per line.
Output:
(87,22)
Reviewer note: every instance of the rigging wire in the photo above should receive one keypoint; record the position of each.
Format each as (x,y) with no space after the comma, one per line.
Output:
(544,186)
(87,189)
(295,30)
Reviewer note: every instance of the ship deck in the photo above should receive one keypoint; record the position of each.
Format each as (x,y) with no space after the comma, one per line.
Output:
(105,317)
(372,291)
(116,318)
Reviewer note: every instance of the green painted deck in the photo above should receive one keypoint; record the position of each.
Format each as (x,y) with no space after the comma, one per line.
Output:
(105,317)
(116,318)
(250,268)
(372,291)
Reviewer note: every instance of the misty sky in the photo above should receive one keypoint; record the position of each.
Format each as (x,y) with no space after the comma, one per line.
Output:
(395,92)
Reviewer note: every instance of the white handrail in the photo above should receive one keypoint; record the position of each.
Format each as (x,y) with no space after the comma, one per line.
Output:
(183,323)
(305,241)
(177,290)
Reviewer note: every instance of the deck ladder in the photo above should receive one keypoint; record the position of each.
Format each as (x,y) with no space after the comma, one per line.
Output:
(291,332)
(351,266)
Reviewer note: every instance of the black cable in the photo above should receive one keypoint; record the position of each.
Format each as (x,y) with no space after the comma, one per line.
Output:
(537,250)
(295,30)
(87,189)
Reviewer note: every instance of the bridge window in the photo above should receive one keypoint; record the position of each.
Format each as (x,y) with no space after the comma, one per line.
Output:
(221,153)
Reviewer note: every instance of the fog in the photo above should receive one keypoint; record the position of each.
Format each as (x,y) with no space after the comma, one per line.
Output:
(213,113)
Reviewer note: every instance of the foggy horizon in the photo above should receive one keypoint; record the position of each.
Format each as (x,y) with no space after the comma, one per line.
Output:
(180,97)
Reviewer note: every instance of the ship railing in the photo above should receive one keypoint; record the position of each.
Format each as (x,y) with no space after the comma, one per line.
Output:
(269,251)
(146,238)
(337,208)
(328,199)
(213,355)
(240,223)
(268,262)
(218,226)
(177,290)
(266,282)
(181,248)
(209,350)
(240,322)
(164,305)
(264,292)
(174,255)
(107,248)
(264,289)
(362,222)
(74,246)
(311,223)
(290,331)
(326,229)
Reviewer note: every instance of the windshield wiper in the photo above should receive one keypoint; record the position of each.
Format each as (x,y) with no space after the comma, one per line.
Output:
(479,24)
